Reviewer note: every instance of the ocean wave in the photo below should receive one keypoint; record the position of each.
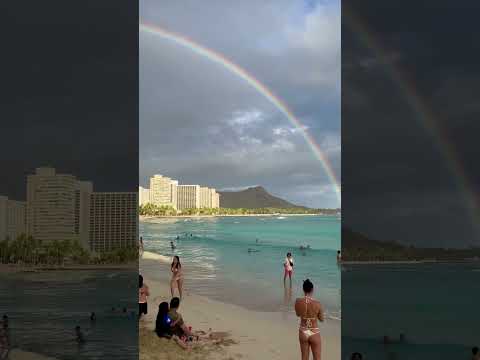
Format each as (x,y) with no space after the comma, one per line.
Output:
(147,255)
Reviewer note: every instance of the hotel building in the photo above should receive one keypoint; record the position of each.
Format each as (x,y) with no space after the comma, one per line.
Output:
(143,196)
(113,220)
(188,197)
(163,191)
(51,205)
(215,199)
(205,197)
(12,218)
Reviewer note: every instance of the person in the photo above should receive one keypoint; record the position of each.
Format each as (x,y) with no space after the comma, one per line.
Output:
(172,245)
(339,256)
(475,353)
(178,325)
(288,265)
(93,317)
(356,356)
(310,312)
(140,246)
(4,338)
(79,335)
(143,294)
(177,277)
(163,324)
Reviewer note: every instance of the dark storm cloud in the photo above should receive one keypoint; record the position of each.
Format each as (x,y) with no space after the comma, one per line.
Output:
(399,182)
(69,92)
(200,123)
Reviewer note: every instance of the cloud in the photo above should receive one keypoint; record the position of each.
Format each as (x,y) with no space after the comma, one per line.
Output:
(203,124)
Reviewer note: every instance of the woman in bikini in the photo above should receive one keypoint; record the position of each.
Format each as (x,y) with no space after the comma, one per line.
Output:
(177,276)
(309,311)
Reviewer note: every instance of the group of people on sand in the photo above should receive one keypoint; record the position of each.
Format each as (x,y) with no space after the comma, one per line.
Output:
(176,282)
(169,321)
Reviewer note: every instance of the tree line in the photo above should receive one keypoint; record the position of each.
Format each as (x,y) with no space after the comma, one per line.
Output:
(29,251)
(154,210)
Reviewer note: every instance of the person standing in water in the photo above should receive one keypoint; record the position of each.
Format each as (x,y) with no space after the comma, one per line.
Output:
(140,246)
(339,257)
(143,294)
(309,311)
(288,266)
(177,276)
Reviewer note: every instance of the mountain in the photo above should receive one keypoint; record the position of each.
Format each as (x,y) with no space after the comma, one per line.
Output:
(253,198)
(358,247)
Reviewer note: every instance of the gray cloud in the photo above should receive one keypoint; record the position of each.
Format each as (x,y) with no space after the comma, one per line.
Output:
(202,124)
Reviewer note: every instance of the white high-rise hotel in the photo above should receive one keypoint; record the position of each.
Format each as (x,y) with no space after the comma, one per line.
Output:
(165,191)
(60,207)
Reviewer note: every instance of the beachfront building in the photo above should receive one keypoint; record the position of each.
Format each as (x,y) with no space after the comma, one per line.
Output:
(215,199)
(209,198)
(205,197)
(188,197)
(113,220)
(83,195)
(12,218)
(143,196)
(51,205)
(163,191)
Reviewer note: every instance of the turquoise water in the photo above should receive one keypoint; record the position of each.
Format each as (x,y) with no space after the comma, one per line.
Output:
(214,253)
(434,305)
(45,307)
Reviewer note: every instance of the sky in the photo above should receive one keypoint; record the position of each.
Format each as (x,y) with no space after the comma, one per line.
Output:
(69,90)
(410,126)
(202,124)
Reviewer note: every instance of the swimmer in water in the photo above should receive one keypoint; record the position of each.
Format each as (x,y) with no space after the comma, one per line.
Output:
(172,245)
(79,335)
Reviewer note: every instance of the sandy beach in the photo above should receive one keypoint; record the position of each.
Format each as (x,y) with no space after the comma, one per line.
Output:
(17,354)
(254,334)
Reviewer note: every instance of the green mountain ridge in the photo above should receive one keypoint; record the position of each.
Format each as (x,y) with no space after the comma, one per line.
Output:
(254,198)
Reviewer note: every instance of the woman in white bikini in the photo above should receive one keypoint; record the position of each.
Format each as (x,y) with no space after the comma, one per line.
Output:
(309,311)
(177,276)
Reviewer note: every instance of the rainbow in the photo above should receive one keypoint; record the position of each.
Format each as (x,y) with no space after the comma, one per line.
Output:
(253,82)
(424,115)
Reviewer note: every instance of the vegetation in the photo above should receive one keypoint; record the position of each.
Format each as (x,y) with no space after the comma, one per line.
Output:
(357,247)
(153,210)
(28,251)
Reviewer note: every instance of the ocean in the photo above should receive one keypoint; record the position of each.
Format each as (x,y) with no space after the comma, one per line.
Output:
(217,264)
(435,306)
(44,308)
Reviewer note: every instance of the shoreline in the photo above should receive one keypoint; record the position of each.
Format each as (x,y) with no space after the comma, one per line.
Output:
(409,262)
(16,268)
(149,217)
